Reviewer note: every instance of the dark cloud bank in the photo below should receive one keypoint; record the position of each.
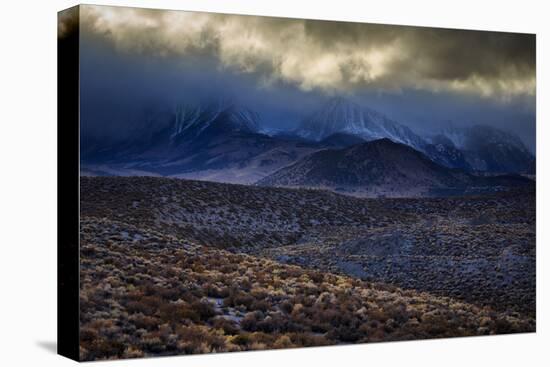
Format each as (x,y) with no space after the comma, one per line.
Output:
(137,64)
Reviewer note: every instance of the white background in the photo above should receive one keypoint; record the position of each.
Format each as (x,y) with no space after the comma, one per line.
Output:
(28,183)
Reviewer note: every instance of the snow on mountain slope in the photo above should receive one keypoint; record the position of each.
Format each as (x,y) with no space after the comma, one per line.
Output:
(474,148)
(191,121)
(473,136)
(340,115)
(489,149)
(225,142)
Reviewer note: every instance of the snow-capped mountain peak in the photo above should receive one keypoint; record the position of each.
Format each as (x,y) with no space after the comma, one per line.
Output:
(471,136)
(487,148)
(340,115)
(192,120)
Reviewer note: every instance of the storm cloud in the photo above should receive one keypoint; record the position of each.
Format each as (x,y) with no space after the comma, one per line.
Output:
(334,57)
(137,65)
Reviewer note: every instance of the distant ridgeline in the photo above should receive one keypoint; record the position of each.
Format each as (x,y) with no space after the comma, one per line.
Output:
(343,147)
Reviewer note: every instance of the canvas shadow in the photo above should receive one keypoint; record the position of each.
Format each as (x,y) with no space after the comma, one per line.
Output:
(48,345)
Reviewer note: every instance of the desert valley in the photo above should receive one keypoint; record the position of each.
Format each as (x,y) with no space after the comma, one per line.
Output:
(339,240)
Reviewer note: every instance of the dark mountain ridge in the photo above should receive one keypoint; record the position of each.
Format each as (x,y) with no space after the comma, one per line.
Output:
(381,168)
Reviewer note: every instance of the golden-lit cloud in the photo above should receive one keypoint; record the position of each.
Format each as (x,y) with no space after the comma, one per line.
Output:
(67,22)
(331,56)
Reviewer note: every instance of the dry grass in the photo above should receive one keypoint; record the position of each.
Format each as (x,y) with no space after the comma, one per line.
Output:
(149,293)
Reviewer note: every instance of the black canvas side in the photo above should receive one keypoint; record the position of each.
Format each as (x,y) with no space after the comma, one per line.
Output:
(68,183)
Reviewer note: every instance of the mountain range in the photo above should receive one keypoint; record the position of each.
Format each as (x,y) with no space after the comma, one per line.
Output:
(223,142)
(473,148)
